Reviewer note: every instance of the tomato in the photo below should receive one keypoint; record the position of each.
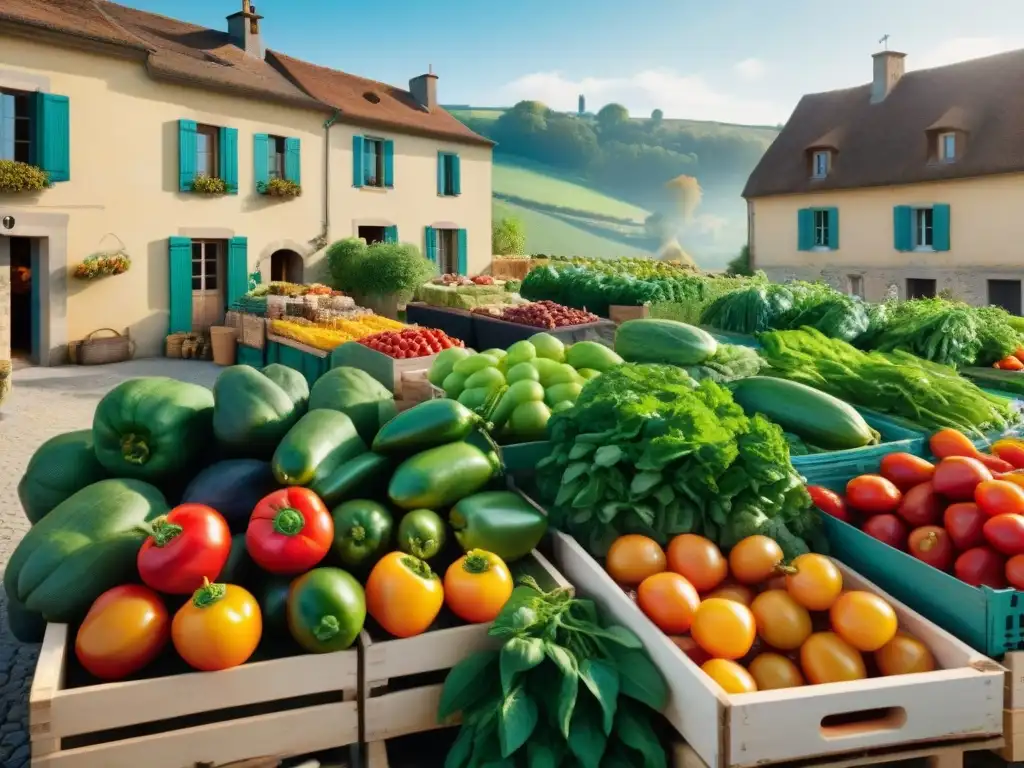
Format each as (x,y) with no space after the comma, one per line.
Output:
(218,628)
(957,476)
(697,559)
(951,442)
(477,586)
(981,566)
(188,544)
(1016,477)
(931,544)
(905,470)
(815,582)
(827,658)
(689,646)
(781,621)
(772,671)
(739,592)
(888,529)
(403,595)
(1005,534)
(872,495)
(730,676)
(921,506)
(669,600)
(963,522)
(1010,450)
(724,628)
(125,629)
(829,502)
(863,619)
(997,497)
(755,559)
(289,531)
(632,558)
(1015,572)
(904,655)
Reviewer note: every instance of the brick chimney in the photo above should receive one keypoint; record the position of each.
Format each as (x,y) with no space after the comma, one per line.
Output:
(244,30)
(888,69)
(424,90)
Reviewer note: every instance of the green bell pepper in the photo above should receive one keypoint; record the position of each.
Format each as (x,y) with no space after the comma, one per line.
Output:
(501,522)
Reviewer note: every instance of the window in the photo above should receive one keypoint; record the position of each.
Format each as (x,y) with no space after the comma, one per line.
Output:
(1005,294)
(448,174)
(372,234)
(275,162)
(204,265)
(821,224)
(924,219)
(918,288)
(448,251)
(820,168)
(947,147)
(207,151)
(855,285)
(15,126)
(373,163)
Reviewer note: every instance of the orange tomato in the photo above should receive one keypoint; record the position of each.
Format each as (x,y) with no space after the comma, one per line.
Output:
(698,559)
(729,675)
(477,586)
(218,628)
(903,655)
(1015,572)
(815,582)
(863,619)
(669,600)
(997,497)
(781,621)
(872,495)
(403,595)
(773,670)
(632,558)
(124,630)
(1010,363)
(755,559)
(827,658)
(724,628)
(738,592)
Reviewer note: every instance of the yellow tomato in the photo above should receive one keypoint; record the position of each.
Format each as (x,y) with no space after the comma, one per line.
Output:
(904,655)
(218,628)
(740,593)
(781,621)
(124,630)
(403,595)
(724,628)
(826,658)
(729,675)
(773,670)
(814,581)
(863,620)
(755,559)
(477,586)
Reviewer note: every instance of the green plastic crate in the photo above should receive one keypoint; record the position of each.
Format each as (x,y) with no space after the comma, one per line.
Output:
(310,365)
(251,356)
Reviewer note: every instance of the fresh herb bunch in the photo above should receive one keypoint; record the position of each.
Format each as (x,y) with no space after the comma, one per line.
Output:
(565,689)
(757,307)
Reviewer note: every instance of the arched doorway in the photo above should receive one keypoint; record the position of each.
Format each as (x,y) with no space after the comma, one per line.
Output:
(286,266)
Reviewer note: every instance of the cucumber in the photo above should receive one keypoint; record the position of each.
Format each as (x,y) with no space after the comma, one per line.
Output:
(816,417)
(320,441)
(361,476)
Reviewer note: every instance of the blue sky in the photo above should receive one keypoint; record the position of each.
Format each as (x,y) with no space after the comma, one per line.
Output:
(731,60)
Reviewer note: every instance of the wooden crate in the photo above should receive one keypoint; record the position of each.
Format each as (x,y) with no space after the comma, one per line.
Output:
(293,706)
(1013,714)
(963,700)
(620,313)
(395,706)
(385,369)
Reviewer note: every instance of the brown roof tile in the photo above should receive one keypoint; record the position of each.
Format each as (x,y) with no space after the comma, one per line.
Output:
(81,18)
(885,143)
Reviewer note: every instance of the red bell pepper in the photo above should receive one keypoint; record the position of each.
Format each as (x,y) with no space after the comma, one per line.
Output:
(289,531)
(190,543)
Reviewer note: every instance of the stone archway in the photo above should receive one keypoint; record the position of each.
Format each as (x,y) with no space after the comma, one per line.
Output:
(286,266)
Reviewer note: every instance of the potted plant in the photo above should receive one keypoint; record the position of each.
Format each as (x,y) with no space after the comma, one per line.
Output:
(384,276)
(102,265)
(22,177)
(210,185)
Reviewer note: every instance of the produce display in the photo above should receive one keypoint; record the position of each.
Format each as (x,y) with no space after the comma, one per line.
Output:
(547,314)
(411,342)
(333,333)
(457,292)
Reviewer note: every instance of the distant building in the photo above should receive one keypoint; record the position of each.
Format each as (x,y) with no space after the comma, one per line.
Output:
(583,106)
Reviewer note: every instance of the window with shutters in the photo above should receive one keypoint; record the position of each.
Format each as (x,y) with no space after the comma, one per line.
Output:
(275,159)
(208,151)
(16,126)
(924,229)
(821,228)
(373,162)
(448,174)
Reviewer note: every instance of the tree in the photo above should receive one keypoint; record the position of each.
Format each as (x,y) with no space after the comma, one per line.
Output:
(656,117)
(687,195)
(508,237)
(612,115)
(740,265)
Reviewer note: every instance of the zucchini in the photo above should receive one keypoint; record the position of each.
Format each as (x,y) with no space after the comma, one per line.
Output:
(320,442)
(816,417)
(663,341)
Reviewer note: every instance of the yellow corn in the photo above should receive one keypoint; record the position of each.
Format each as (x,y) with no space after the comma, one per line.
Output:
(333,333)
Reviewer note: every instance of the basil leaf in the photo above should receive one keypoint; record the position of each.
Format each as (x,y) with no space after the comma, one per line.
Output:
(574,471)
(516,721)
(608,456)
(586,738)
(644,482)
(568,687)
(520,654)
(539,756)
(567,491)
(602,680)
(459,754)
(640,680)
(462,687)
(636,733)
(580,451)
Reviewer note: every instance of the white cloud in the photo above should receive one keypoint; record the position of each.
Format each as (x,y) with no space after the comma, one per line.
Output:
(959,49)
(677,95)
(750,69)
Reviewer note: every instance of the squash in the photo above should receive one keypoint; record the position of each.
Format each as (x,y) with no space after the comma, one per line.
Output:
(254,409)
(358,395)
(59,468)
(663,341)
(232,487)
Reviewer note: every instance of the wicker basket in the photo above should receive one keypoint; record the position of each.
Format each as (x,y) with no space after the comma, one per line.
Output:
(254,331)
(96,350)
(172,347)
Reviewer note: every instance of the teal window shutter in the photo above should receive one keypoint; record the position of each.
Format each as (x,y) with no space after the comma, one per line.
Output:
(440,172)
(833,228)
(463,258)
(431,243)
(186,161)
(261,160)
(805,229)
(53,135)
(357,161)
(237,269)
(292,160)
(229,159)
(940,227)
(389,163)
(180,279)
(902,228)
(391,234)
(456,176)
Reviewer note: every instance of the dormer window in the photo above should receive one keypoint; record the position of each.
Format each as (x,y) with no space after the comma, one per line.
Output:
(820,162)
(947,147)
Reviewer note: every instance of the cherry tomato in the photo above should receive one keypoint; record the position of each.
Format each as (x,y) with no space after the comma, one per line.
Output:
(981,566)
(698,559)
(963,522)
(905,470)
(921,506)
(689,646)
(772,671)
(738,592)
(1015,572)
(827,658)
(218,628)
(997,497)
(888,529)
(872,495)
(724,628)
(632,558)
(829,502)
(669,600)
(931,544)
(1010,450)
(403,595)
(730,676)
(290,531)
(1005,534)
(755,559)
(904,655)
(814,582)
(477,586)
(863,619)
(956,477)
(781,621)
(125,629)
(188,544)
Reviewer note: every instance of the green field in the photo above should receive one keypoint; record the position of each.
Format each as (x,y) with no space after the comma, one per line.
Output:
(559,235)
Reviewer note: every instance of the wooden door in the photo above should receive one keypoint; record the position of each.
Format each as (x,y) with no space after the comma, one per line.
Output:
(207,284)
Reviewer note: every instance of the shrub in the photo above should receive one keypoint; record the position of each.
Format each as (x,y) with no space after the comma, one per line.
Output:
(740,266)
(390,268)
(342,258)
(508,237)
(22,177)
(209,185)
(279,188)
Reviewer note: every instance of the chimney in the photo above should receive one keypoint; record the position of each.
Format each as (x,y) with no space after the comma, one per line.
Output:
(888,69)
(244,30)
(424,90)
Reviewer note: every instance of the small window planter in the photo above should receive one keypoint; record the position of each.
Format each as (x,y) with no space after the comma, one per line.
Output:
(22,177)
(103,265)
(279,188)
(210,185)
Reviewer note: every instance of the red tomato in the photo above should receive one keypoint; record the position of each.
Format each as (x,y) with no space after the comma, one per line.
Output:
(963,522)
(905,470)
(124,630)
(872,495)
(957,476)
(188,544)
(1005,534)
(1015,572)
(290,531)
(888,529)
(921,506)
(931,544)
(829,502)
(997,497)
(981,566)
(1010,450)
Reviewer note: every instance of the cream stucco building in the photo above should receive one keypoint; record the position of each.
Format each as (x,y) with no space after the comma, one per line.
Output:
(914,181)
(126,109)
